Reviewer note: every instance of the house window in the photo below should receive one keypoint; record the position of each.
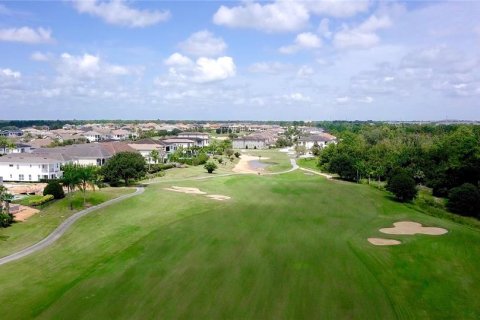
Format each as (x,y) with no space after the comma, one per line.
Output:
(21,177)
(11,177)
(18,167)
(29,177)
(38,177)
(10,165)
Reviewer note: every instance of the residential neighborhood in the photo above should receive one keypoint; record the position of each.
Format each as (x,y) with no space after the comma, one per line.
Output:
(37,153)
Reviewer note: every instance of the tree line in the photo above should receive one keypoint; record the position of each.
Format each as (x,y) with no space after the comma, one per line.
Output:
(445,158)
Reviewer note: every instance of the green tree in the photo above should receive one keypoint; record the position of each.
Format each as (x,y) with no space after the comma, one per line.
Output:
(6,218)
(155,156)
(55,189)
(403,186)
(86,174)
(70,179)
(210,166)
(464,200)
(125,165)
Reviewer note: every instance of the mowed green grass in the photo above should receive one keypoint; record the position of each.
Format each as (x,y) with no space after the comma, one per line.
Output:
(288,246)
(23,234)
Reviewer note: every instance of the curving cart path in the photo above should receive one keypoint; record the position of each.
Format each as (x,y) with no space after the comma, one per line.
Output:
(62,228)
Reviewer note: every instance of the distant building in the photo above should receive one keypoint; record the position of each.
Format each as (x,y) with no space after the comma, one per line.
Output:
(321,140)
(201,138)
(251,142)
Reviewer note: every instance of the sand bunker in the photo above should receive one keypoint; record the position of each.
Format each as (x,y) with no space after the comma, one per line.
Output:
(243,166)
(24,213)
(186,190)
(383,242)
(410,228)
(218,197)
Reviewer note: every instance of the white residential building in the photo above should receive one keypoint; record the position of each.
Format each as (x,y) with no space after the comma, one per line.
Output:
(30,167)
(201,138)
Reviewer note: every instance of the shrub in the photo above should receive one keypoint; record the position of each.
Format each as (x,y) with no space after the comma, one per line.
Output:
(42,200)
(464,200)
(229,152)
(403,186)
(237,154)
(55,189)
(210,166)
(5,219)
(220,160)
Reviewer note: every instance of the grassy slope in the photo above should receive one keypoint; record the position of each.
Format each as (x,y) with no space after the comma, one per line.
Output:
(289,246)
(23,234)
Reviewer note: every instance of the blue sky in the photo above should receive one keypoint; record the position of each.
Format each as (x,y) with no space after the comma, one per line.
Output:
(268,60)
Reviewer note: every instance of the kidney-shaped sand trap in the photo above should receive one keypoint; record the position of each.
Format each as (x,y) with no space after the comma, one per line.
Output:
(186,190)
(218,197)
(383,242)
(409,227)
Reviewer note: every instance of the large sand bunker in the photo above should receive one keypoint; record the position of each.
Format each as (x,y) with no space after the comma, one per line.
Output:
(218,197)
(383,242)
(243,166)
(411,228)
(186,190)
(189,190)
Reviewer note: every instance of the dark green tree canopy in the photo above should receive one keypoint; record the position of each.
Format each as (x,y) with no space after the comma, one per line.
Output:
(126,166)
(465,200)
(403,186)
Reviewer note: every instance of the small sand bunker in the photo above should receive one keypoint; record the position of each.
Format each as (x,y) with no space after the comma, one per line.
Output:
(24,213)
(243,165)
(410,228)
(186,190)
(218,197)
(383,242)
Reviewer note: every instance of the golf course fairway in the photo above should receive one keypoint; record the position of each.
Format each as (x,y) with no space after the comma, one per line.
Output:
(288,246)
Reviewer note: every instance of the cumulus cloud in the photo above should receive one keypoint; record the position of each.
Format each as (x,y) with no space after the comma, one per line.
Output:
(26,35)
(279,16)
(363,36)
(202,70)
(117,12)
(297,96)
(285,16)
(203,44)
(9,73)
(305,40)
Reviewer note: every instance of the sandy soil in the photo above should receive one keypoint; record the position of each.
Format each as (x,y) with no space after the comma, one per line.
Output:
(383,242)
(243,165)
(24,213)
(218,197)
(34,188)
(186,190)
(410,228)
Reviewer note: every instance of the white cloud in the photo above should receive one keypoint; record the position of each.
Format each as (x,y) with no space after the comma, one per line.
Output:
(362,36)
(284,16)
(203,70)
(305,71)
(342,100)
(305,40)
(267,67)
(366,99)
(9,73)
(26,35)
(178,59)
(39,56)
(296,96)
(118,13)
(324,28)
(203,44)
(279,16)
(338,8)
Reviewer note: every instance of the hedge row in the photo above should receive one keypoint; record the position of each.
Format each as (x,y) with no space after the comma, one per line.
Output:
(42,200)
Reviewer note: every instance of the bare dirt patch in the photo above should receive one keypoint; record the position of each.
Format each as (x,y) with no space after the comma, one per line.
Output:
(24,213)
(185,190)
(243,166)
(411,228)
(218,197)
(29,188)
(383,242)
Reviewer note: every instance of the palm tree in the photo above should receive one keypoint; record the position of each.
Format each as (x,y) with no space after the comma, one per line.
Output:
(86,175)
(70,179)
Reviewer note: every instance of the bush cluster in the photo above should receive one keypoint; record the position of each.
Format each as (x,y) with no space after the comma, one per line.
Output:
(42,200)
(55,189)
